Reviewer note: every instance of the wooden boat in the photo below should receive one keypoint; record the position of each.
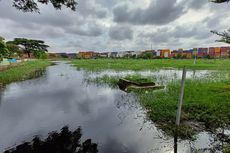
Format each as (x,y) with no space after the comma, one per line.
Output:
(124,84)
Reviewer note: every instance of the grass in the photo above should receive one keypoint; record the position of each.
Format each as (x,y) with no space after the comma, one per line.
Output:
(22,71)
(227,149)
(113,80)
(139,78)
(140,64)
(206,100)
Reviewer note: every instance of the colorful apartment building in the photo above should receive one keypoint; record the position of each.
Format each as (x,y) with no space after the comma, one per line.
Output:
(87,55)
(214,52)
(164,53)
(225,52)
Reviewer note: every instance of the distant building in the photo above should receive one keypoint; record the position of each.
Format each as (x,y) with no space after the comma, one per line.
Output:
(87,54)
(113,54)
(62,55)
(187,54)
(103,55)
(71,55)
(120,54)
(136,54)
(128,54)
(202,52)
(225,52)
(214,52)
(164,53)
(152,52)
(174,53)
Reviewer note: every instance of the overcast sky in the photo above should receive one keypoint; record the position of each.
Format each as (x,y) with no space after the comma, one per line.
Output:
(115,25)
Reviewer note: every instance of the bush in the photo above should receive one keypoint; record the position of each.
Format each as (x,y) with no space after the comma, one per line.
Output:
(147,56)
(41,55)
(4,52)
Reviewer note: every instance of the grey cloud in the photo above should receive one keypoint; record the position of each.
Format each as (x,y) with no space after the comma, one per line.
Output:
(196,4)
(158,13)
(90,8)
(48,17)
(121,33)
(213,22)
(182,32)
(89,29)
(108,4)
(161,35)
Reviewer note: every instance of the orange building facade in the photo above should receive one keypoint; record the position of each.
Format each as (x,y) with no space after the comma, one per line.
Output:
(86,55)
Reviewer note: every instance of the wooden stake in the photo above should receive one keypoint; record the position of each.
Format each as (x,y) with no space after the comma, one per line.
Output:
(180,102)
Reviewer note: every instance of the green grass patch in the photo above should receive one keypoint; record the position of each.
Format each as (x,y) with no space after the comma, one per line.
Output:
(23,71)
(206,101)
(113,80)
(139,78)
(140,64)
(227,149)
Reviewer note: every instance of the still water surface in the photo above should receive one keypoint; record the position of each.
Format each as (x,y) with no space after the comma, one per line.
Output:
(111,118)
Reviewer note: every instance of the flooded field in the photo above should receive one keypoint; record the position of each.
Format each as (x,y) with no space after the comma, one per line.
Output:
(161,76)
(111,118)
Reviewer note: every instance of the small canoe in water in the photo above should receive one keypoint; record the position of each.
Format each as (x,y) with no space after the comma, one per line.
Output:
(124,84)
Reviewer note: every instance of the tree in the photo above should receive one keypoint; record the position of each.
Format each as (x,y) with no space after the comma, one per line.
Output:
(147,56)
(13,49)
(220,1)
(32,5)
(225,36)
(31,46)
(3,49)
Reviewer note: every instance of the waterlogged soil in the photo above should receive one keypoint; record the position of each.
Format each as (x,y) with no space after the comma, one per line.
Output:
(111,118)
(162,76)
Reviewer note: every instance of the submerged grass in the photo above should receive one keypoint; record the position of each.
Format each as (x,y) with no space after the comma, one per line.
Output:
(113,80)
(206,101)
(22,71)
(140,64)
(227,149)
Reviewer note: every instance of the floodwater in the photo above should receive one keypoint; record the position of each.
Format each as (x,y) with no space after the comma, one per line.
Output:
(162,77)
(111,118)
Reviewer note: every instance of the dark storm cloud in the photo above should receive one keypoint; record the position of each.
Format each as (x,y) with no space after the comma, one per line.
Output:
(121,33)
(158,13)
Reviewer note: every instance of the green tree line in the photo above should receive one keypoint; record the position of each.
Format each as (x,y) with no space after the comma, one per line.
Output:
(19,46)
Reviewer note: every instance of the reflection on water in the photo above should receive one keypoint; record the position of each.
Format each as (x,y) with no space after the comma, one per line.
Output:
(35,74)
(162,77)
(112,118)
(63,142)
